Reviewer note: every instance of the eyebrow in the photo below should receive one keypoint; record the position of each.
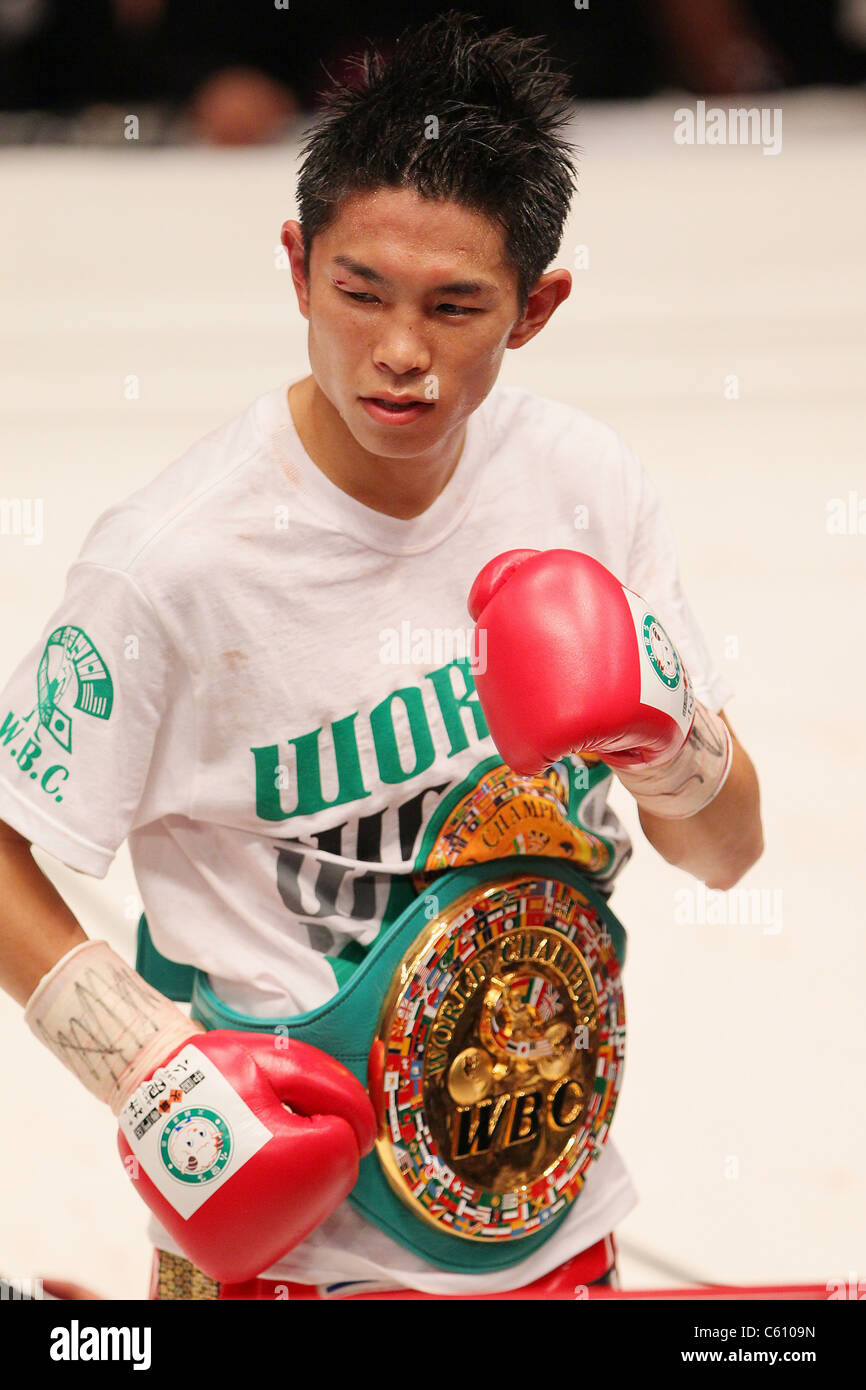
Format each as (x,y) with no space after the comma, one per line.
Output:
(367,272)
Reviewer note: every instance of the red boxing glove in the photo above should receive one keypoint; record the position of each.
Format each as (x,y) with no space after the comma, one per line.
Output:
(233,1176)
(571,660)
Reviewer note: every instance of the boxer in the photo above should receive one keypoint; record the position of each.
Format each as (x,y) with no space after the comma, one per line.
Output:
(377,871)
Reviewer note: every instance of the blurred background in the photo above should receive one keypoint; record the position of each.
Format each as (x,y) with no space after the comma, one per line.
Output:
(226,72)
(148,154)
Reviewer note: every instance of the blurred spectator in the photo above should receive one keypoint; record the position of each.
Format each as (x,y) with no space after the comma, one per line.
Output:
(756,45)
(202,57)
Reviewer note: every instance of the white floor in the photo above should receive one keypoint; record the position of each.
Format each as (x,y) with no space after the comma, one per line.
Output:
(742,1117)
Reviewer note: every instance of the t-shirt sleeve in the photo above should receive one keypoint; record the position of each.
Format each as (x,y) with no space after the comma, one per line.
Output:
(653,572)
(79,720)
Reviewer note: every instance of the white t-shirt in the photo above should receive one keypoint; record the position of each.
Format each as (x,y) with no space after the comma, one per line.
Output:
(265,686)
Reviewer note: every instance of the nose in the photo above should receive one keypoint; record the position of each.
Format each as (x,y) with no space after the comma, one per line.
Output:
(401,348)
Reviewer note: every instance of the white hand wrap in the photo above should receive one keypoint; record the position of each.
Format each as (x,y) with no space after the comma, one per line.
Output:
(104,1022)
(691,780)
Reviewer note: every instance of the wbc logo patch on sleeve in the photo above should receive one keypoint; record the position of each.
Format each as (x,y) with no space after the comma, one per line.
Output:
(72,675)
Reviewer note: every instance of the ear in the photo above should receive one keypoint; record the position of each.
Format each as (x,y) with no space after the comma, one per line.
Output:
(546,295)
(293,240)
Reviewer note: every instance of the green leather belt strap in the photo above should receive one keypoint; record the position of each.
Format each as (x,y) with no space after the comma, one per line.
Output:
(345,1028)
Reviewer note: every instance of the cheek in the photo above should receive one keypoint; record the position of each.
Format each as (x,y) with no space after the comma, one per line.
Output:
(331,340)
(487,342)
(481,358)
(337,328)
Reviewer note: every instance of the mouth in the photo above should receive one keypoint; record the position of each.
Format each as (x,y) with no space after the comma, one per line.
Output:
(396,402)
(399,411)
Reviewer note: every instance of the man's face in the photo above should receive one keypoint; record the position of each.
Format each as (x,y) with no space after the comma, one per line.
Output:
(407,297)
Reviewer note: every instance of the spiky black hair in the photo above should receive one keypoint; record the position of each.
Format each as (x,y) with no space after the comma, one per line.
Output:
(500,106)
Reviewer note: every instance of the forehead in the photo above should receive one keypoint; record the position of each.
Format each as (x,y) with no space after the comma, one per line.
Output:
(400,232)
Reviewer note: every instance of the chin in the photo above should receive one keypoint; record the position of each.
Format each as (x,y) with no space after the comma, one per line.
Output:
(395,449)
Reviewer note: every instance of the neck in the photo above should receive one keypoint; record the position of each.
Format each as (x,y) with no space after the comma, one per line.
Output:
(402,488)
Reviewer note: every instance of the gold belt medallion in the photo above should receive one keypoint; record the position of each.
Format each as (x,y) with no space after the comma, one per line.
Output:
(504,1044)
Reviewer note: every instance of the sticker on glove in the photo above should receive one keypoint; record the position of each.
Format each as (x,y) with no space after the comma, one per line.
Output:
(190,1130)
(664,680)
(195,1145)
(661,652)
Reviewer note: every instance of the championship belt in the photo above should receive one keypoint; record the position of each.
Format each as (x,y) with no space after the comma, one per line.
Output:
(494,1062)
(503,1035)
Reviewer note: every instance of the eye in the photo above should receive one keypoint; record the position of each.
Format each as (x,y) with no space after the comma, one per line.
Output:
(459,310)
